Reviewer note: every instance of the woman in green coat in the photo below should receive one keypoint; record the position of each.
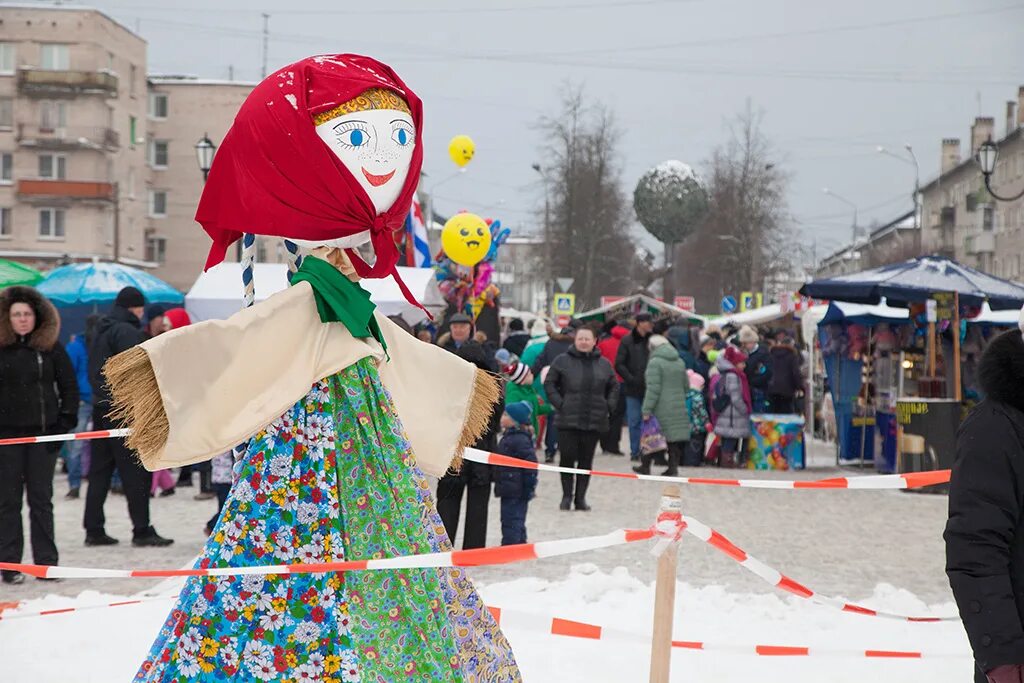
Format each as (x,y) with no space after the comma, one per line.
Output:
(665,399)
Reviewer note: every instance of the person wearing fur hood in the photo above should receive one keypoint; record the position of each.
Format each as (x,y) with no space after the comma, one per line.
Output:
(985,530)
(40,396)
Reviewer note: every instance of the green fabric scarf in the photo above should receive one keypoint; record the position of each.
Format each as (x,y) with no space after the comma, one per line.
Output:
(339,300)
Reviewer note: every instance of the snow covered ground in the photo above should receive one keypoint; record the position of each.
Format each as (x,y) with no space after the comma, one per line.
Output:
(881,549)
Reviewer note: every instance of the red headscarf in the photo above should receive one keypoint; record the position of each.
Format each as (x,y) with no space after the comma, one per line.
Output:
(273,175)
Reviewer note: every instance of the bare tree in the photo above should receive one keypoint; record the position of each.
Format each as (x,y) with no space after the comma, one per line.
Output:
(588,214)
(746,238)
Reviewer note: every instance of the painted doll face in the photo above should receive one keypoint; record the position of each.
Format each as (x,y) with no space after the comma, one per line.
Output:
(376,147)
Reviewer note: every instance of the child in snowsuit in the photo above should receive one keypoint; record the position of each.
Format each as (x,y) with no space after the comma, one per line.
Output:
(699,421)
(515,486)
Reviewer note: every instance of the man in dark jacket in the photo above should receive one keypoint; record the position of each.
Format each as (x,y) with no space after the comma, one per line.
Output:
(985,531)
(517,338)
(473,478)
(119,331)
(38,395)
(631,364)
(759,368)
(787,377)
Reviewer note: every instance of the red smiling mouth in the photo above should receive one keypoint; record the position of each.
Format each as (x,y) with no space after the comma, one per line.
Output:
(377,180)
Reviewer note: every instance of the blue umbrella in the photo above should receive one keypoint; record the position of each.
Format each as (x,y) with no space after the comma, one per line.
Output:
(915,281)
(98,283)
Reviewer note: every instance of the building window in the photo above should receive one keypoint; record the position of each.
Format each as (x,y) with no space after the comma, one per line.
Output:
(133,74)
(158,153)
(158,105)
(156,249)
(53,57)
(158,203)
(53,115)
(51,224)
(6,168)
(6,112)
(6,58)
(131,132)
(987,218)
(53,166)
(5,222)
(131,183)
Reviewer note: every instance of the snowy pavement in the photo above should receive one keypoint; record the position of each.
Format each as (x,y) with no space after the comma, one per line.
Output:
(882,549)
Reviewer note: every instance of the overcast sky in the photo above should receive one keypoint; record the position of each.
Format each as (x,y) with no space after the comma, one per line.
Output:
(835,80)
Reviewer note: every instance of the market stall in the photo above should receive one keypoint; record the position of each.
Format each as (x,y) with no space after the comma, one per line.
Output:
(884,367)
(639,303)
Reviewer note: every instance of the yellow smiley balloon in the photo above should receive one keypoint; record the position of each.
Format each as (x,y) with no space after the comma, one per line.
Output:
(466,239)
(461,149)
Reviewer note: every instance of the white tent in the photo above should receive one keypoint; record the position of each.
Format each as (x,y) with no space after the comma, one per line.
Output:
(755,316)
(217,293)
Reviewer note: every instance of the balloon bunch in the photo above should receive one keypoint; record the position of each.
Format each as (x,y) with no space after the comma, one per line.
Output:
(465,266)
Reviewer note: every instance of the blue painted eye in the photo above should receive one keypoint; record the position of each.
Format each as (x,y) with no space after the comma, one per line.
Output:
(402,134)
(356,138)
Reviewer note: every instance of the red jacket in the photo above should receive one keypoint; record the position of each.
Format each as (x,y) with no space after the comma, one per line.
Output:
(609,346)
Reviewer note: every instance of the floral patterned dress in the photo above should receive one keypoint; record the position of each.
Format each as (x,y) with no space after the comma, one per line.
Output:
(332,478)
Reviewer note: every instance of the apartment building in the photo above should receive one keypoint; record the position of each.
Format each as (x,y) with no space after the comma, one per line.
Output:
(895,241)
(72,128)
(961,219)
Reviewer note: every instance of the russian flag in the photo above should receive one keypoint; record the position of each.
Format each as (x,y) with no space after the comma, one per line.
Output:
(417,244)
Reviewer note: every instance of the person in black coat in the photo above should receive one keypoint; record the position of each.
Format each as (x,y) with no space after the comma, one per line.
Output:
(759,368)
(39,396)
(473,478)
(631,364)
(119,331)
(517,338)
(985,530)
(787,377)
(582,388)
(514,486)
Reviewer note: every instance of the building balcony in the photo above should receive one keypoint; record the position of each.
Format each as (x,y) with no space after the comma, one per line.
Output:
(64,190)
(66,83)
(80,137)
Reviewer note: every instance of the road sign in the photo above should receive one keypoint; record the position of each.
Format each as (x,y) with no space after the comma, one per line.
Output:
(564,304)
(563,321)
(609,300)
(747,301)
(687,303)
(728,304)
(564,283)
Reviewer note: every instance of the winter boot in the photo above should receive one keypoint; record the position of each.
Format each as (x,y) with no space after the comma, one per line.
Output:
(567,482)
(673,463)
(645,465)
(582,482)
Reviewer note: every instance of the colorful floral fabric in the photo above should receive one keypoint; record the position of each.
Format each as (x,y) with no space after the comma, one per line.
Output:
(334,477)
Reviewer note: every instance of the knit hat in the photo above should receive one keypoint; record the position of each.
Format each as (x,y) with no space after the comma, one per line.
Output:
(696,379)
(178,317)
(517,372)
(539,328)
(748,335)
(734,355)
(130,297)
(154,311)
(520,411)
(657,340)
(503,356)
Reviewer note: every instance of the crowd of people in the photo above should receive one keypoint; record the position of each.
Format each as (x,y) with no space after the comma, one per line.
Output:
(50,388)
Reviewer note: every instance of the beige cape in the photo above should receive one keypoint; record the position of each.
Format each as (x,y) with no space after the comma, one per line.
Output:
(197,392)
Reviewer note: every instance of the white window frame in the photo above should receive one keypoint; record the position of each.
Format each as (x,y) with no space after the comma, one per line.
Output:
(152,153)
(152,203)
(6,223)
(59,59)
(58,166)
(57,113)
(160,253)
(155,97)
(7,59)
(58,219)
(6,168)
(6,111)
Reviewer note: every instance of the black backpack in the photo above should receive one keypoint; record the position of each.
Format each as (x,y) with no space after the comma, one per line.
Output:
(721,400)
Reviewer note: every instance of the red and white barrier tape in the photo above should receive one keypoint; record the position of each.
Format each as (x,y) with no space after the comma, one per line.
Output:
(478,557)
(909,480)
(776,578)
(559,626)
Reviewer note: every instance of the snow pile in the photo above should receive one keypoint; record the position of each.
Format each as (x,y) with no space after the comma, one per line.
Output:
(103,645)
(676,170)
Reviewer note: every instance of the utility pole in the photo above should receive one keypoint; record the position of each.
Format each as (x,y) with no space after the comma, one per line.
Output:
(266,41)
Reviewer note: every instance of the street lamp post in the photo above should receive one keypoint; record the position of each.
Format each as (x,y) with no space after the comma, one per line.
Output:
(988,155)
(205,149)
(917,186)
(846,201)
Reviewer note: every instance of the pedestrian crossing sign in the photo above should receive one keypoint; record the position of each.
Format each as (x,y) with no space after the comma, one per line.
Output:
(565,304)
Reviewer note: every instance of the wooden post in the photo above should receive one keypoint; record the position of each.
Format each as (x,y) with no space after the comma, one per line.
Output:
(665,596)
(957,389)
